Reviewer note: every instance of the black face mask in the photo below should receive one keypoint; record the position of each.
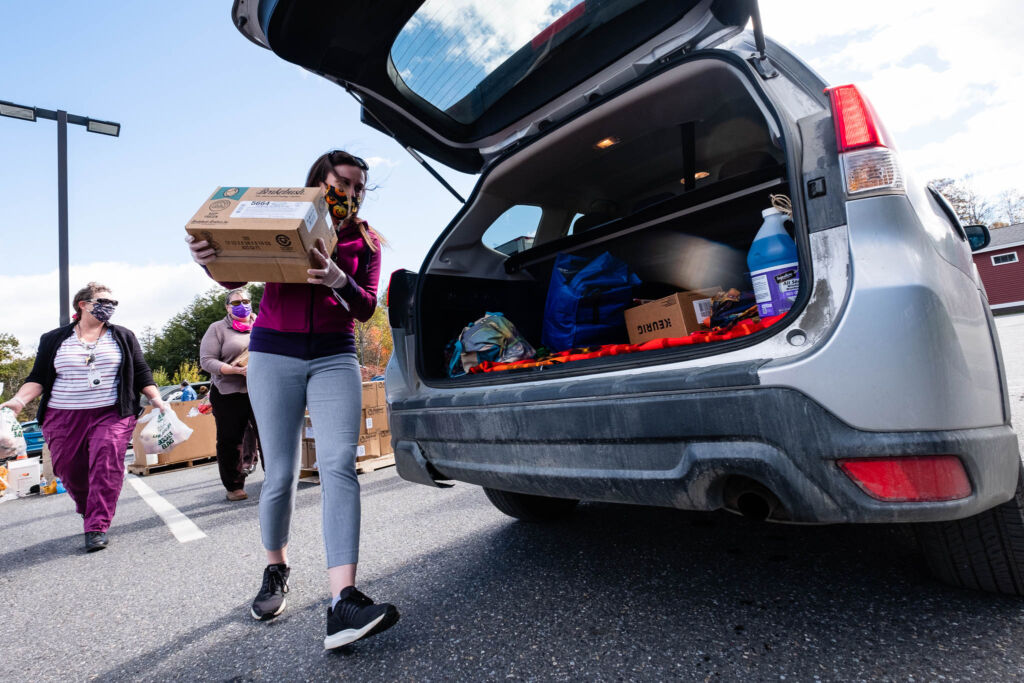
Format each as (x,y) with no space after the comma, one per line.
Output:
(340,204)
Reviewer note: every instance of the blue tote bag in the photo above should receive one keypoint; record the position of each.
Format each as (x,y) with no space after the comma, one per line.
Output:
(585,302)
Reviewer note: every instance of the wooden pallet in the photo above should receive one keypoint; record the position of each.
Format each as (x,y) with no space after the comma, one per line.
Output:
(374,464)
(143,470)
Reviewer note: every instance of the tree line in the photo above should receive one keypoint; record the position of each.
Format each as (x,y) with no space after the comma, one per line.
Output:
(973,208)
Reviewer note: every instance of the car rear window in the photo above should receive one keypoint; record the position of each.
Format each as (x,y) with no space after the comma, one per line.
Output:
(462,56)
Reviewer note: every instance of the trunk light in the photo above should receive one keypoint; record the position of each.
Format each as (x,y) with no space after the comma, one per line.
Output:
(909,479)
(606,143)
(869,163)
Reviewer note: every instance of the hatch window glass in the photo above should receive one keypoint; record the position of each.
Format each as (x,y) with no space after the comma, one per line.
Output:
(514,230)
(462,56)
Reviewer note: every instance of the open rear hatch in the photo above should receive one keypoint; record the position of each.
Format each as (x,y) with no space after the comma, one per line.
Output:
(604,127)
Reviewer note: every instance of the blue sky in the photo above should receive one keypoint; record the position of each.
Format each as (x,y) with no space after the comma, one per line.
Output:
(200,107)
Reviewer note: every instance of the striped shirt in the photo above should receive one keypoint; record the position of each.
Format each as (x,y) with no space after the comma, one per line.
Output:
(72,389)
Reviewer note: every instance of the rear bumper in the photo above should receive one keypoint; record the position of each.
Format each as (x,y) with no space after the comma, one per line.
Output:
(681,450)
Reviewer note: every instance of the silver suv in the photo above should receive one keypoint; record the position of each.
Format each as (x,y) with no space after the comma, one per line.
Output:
(658,132)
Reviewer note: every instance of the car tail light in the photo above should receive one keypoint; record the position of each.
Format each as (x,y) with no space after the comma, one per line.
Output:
(909,479)
(865,148)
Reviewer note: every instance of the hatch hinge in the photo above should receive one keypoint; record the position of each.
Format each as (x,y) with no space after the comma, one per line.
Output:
(760,58)
(412,152)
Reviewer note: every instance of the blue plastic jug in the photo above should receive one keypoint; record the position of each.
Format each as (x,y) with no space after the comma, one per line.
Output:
(774,270)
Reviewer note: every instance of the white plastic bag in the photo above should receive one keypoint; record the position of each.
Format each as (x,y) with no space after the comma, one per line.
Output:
(163,433)
(12,441)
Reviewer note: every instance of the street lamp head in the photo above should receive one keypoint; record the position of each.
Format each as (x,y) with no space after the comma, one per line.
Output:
(17,111)
(103,127)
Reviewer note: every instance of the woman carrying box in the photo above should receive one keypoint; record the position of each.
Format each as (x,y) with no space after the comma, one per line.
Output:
(90,374)
(222,353)
(302,353)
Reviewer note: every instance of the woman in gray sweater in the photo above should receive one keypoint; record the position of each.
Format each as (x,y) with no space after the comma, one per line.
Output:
(223,353)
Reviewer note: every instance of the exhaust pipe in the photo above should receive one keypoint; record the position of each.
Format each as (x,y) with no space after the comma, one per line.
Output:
(754,505)
(753,500)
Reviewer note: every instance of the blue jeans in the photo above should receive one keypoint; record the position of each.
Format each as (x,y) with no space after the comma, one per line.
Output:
(280,388)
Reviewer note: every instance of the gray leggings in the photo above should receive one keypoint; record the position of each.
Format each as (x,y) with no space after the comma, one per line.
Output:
(280,388)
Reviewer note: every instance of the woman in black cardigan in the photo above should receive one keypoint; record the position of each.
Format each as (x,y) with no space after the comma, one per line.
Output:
(90,374)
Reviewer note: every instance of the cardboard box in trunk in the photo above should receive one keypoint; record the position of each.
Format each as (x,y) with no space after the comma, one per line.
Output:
(673,316)
(202,443)
(262,234)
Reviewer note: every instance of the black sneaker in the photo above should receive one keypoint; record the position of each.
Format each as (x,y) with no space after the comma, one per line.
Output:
(95,540)
(270,601)
(354,617)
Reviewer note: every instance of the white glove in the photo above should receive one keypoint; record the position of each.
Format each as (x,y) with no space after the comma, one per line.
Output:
(202,252)
(328,273)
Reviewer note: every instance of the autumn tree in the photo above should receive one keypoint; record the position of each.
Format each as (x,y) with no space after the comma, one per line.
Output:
(1011,206)
(373,341)
(970,207)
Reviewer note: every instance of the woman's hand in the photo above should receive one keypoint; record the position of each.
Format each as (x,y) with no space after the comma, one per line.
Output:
(202,252)
(159,404)
(328,272)
(226,369)
(14,404)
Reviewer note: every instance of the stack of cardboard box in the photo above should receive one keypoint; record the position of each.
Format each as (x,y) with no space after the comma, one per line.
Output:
(374,435)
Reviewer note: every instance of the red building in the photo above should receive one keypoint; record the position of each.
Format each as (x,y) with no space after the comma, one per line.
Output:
(1001,265)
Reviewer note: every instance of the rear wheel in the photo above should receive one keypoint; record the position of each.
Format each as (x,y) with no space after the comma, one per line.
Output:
(530,508)
(983,552)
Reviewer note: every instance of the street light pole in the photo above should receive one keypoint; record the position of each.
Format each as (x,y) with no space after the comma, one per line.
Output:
(62,216)
(26,113)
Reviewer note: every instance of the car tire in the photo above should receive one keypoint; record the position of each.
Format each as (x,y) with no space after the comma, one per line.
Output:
(530,508)
(984,552)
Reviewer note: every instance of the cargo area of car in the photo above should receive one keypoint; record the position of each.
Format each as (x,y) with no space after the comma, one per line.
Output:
(670,177)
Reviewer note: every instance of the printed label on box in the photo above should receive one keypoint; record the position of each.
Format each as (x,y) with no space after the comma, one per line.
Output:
(702,307)
(229,193)
(309,432)
(261,208)
(369,423)
(360,451)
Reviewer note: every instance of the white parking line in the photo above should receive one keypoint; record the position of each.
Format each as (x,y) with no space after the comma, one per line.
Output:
(183,528)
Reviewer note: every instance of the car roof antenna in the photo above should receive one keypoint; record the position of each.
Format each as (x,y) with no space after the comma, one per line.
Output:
(412,152)
(760,60)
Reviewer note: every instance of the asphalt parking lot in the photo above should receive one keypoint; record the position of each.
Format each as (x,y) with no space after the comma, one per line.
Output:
(612,593)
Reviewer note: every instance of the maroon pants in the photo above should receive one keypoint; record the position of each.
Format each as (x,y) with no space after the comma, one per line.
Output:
(87,448)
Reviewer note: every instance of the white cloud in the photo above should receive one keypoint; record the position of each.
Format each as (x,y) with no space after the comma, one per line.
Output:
(149,295)
(379,163)
(942,72)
